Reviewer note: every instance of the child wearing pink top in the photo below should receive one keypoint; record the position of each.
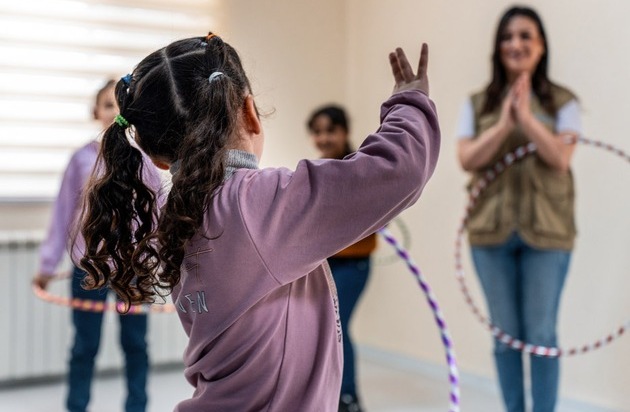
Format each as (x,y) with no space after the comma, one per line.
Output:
(241,249)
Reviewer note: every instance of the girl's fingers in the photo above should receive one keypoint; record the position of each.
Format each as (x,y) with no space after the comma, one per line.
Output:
(396,70)
(404,65)
(424,61)
(403,73)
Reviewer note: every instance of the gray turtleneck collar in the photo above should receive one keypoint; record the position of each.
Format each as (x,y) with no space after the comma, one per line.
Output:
(239,159)
(236,159)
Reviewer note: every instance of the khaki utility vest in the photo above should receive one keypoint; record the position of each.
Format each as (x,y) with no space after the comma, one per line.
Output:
(529,197)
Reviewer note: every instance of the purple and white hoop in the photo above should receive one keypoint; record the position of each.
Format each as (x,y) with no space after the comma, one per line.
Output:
(453,373)
(500,335)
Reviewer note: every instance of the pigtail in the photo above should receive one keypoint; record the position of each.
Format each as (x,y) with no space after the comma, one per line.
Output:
(183,103)
(119,215)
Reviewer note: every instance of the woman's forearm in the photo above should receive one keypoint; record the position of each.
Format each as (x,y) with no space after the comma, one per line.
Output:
(550,148)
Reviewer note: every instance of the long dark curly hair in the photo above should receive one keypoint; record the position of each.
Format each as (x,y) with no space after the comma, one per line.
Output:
(177,114)
(541,85)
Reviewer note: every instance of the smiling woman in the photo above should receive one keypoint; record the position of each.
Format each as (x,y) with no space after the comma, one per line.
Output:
(522,229)
(55,54)
(521,46)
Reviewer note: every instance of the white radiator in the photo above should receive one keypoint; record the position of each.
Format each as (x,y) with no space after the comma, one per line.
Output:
(35,336)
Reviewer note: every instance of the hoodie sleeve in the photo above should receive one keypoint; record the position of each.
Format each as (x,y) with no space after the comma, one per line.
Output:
(297,219)
(65,209)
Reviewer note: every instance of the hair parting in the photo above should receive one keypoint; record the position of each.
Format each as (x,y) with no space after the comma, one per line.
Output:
(176,115)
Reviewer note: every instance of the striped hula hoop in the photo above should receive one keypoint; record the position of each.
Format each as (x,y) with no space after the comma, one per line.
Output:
(88,305)
(447,342)
(500,335)
(100,306)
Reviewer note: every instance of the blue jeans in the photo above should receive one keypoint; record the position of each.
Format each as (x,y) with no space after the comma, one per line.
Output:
(87,328)
(351,275)
(522,286)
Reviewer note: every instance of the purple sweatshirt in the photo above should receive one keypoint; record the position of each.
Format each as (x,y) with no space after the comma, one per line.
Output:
(256,297)
(66,207)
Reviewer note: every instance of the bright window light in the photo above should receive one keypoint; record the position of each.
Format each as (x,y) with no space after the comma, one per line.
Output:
(54,56)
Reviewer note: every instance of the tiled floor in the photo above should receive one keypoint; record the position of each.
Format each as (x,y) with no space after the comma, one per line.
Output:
(386,387)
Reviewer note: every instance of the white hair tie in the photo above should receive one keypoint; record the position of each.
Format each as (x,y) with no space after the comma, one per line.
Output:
(214,75)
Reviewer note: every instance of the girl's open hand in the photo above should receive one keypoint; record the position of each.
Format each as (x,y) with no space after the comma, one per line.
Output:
(403,74)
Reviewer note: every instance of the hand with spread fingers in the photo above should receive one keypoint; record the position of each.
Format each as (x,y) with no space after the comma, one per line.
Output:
(403,74)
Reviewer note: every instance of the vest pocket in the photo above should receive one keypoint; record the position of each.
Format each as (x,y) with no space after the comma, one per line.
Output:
(552,204)
(486,215)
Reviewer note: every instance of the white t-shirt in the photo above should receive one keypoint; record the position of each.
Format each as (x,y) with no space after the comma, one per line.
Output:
(567,120)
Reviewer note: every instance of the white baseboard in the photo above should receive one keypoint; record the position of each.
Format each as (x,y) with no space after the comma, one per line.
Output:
(470,380)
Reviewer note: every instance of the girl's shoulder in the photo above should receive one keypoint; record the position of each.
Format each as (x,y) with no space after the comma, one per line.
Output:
(91,147)
(86,153)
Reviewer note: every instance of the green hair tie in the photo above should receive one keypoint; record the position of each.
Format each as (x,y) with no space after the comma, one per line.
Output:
(121,121)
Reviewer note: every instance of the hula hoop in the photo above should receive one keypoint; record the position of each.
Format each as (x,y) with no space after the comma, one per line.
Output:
(100,306)
(453,375)
(88,305)
(500,335)
(406,243)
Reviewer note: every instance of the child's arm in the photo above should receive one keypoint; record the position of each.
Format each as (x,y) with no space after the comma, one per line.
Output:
(297,219)
(62,221)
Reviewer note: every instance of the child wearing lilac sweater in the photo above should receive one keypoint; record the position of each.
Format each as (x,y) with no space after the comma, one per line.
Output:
(87,325)
(243,250)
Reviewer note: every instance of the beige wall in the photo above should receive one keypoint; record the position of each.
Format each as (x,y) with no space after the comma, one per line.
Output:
(587,55)
(304,53)
(24,216)
(295,55)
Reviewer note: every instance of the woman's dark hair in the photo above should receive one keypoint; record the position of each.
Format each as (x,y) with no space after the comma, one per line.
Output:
(541,85)
(179,114)
(338,118)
